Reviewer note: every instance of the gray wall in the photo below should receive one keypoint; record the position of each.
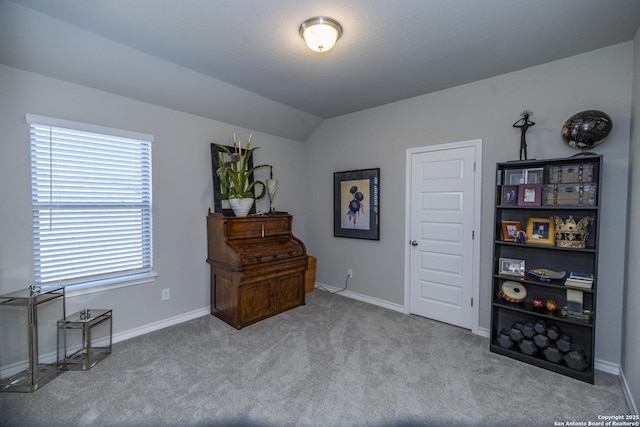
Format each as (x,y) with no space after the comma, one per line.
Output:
(487,110)
(182,191)
(631,321)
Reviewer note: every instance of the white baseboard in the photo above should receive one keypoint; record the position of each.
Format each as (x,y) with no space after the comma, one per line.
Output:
(633,408)
(125,335)
(484,332)
(608,367)
(363,298)
(14,368)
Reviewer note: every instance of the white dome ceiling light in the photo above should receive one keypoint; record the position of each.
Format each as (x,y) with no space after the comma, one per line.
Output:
(320,33)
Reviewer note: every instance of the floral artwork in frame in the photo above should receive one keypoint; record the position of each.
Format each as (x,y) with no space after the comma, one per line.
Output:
(218,156)
(356,204)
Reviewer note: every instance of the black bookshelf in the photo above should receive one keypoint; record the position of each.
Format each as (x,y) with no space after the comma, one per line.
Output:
(561,340)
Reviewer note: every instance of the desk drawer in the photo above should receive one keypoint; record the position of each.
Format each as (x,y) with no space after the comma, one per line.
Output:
(258,227)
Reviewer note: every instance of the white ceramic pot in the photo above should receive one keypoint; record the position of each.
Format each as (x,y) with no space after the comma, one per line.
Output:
(241,207)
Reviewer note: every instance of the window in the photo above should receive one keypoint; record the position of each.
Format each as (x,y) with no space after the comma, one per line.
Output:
(91,197)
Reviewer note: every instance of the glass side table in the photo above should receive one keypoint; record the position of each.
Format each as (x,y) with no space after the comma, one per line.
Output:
(84,339)
(28,338)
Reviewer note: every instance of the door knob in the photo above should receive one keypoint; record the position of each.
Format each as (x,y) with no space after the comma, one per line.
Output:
(414,243)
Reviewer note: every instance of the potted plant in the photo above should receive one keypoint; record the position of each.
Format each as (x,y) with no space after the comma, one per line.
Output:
(235,177)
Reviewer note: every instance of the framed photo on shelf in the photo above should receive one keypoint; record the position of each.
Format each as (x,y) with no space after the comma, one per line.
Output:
(575,302)
(356,204)
(510,230)
(523,176)
(514,176)
(533,176)
(529,194)
(509,195)
(541,231)
(511,267)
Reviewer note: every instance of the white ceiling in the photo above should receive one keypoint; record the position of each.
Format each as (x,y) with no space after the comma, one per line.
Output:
(390,49)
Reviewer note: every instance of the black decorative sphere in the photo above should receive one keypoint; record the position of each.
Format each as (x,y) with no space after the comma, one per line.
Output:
(586,129)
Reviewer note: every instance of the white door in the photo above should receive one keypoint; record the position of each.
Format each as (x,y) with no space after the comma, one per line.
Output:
(442,251)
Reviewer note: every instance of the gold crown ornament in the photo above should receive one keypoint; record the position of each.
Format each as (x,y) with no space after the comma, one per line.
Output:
(570,234)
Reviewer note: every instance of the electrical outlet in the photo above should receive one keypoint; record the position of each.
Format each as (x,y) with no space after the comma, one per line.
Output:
(165,294)
(349,272)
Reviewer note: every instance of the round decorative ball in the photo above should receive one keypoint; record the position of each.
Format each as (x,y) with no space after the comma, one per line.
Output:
(587,129)
(537,303)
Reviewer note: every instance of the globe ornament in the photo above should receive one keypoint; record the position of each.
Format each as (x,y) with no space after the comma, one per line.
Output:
(586,129)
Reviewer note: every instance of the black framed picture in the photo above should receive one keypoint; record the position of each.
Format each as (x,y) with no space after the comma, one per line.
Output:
(218,157)
(510,195)
(356,204)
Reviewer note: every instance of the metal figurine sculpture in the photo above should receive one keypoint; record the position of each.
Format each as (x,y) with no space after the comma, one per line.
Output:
(521,237)
(524,123)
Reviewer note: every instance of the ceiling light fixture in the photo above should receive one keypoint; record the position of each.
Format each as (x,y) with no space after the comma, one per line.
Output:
(320,33)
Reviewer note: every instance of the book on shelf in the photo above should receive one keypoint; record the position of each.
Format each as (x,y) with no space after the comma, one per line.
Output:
(578,284)
(581,276)
(579,280)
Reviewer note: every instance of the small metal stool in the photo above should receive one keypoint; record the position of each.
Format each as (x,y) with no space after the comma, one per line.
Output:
(27,333)
(84,339)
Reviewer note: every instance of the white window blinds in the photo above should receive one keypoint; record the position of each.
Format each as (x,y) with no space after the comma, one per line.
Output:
(91,197)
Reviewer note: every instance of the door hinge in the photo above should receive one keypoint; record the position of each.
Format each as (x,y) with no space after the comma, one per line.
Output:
(471,301)
(474,166)
(473,234)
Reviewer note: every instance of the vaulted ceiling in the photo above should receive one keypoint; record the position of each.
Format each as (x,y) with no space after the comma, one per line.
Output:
(390,49)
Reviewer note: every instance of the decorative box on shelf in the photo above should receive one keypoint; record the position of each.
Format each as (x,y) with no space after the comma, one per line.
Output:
(84,339)
(572,194)
(28,338)
(571,184)
(582,172)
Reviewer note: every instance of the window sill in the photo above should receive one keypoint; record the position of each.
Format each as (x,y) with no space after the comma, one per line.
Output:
(109,284)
